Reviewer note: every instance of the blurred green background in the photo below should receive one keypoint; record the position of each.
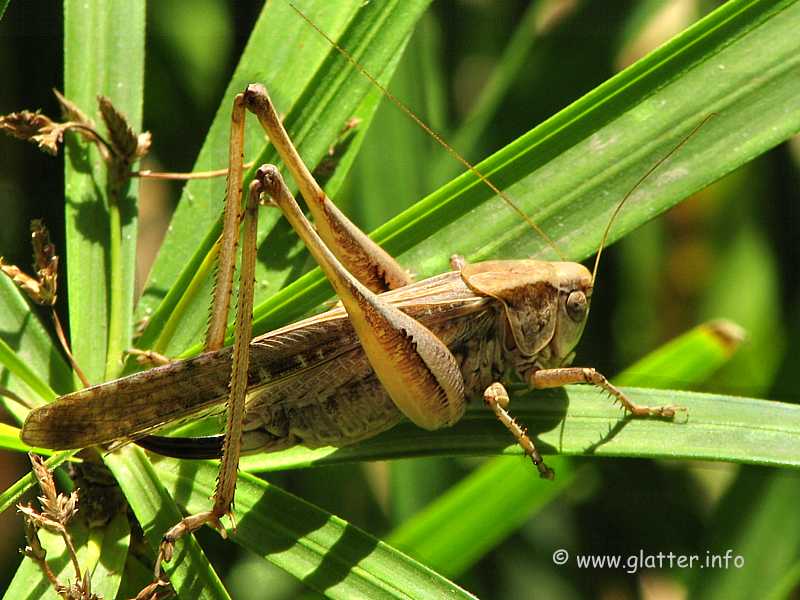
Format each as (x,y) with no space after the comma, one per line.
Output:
(482,73)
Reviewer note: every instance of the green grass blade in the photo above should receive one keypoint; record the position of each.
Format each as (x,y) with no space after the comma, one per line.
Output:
(687,360)
(22,370)
(748,256)
(9,438)
(103,54)
(114,543)
(27,351)
(583,422)
(459,527)
(757,520)
(189,571)
(326,553)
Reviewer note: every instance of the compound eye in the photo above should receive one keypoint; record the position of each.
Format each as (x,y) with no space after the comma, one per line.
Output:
(576,306)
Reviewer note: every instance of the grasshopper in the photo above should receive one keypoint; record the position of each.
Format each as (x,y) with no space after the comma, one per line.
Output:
(394,349)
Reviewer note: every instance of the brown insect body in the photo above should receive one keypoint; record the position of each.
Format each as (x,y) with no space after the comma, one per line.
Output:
(310,382)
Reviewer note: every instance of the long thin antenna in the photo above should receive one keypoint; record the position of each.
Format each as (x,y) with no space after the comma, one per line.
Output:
(641,180)
(425,127)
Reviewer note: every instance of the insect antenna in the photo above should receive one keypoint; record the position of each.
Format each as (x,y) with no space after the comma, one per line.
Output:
(641,180)
(425,127)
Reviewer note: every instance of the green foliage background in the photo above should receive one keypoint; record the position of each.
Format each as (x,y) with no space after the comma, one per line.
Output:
(483,74)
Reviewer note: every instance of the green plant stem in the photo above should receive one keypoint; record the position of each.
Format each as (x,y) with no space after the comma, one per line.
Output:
(117,303)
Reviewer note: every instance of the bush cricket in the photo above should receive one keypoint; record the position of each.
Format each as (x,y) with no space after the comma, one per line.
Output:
(417,351)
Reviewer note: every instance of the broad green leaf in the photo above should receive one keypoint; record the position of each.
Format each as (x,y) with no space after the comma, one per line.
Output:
(582,421)
(103,54)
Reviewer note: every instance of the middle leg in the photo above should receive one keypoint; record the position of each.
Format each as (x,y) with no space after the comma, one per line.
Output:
(551,378)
